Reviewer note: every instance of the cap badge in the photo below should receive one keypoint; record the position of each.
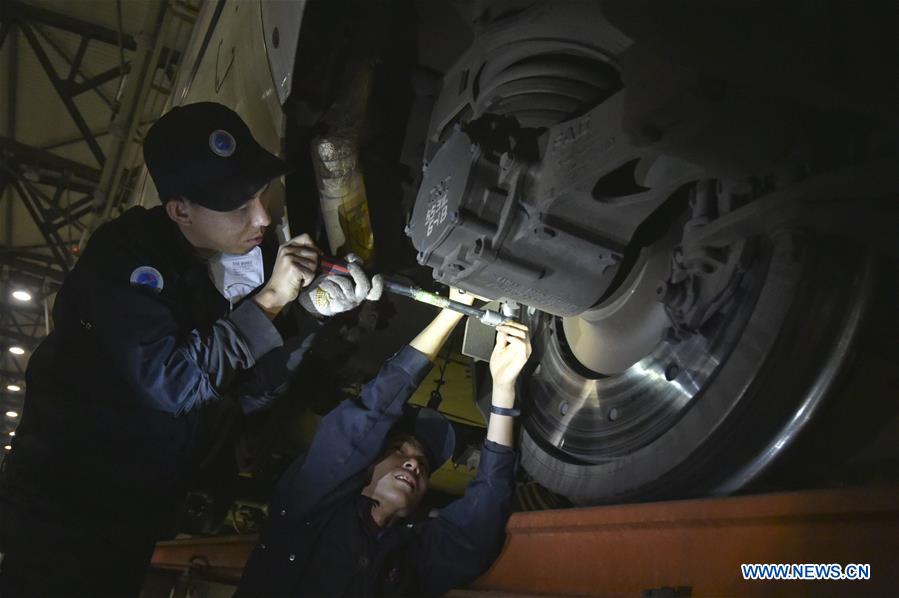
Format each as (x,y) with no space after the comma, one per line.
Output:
(148,277)
(222,143)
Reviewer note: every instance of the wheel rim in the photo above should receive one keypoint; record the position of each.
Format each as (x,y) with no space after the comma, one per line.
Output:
(596,420)
(710,447)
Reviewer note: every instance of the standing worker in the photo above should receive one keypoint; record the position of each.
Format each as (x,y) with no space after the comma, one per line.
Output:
(165,313)
(338,522)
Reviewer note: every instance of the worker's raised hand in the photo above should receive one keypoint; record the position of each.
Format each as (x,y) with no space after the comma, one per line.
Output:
(511,352)
(295,268)
(461,296)
(334,294)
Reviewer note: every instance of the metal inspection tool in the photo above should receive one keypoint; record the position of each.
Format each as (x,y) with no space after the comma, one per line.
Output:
(329,265)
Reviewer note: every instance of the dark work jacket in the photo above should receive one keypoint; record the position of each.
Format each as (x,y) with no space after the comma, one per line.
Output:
(108,440)
(319,540)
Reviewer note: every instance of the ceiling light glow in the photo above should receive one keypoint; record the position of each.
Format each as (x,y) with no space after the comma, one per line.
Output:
(21,295)
(17,350)
(13,387)
(12,414)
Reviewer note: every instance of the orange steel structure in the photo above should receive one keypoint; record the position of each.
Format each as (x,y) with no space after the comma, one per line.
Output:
(688,547)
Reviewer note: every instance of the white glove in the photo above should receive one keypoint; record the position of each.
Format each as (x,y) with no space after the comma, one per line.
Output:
(335,294)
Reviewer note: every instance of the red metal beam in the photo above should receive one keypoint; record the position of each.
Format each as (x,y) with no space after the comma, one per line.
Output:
(695,545)
(700,544)
(220,558)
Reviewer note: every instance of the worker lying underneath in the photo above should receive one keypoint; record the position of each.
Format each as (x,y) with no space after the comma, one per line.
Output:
(338,520)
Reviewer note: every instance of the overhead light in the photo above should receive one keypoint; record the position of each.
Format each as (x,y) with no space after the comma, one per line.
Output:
(12,414)
(13,433)
(13,387)
(17,350)
(21,295)
(8,447)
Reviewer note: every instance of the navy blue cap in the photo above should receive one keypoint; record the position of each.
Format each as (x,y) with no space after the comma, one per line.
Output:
(432,430)
(205,153)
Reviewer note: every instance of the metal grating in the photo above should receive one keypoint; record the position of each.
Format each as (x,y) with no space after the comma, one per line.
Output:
(64,96)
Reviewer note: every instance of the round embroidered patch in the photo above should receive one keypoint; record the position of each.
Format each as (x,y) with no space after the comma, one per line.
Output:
(149,277)
(222,143)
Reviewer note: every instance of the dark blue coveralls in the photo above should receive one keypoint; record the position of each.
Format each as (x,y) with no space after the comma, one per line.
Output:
(320,539)
(111,430)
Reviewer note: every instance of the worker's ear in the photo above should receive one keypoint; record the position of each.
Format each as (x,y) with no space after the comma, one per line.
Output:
(178,210)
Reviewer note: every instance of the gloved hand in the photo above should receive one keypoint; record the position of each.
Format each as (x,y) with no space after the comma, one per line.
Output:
(334,294)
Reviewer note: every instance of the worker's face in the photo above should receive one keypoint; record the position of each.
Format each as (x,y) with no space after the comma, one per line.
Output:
(400,478)
(210,231)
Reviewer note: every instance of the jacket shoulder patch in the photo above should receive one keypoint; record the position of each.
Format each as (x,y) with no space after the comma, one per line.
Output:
(147,277)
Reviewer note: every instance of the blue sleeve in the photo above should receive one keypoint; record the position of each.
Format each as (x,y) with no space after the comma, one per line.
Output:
(350,437)
(468,534)
(167,369)
(272,374)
